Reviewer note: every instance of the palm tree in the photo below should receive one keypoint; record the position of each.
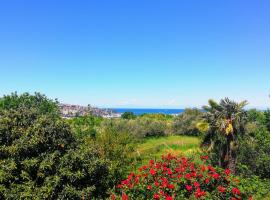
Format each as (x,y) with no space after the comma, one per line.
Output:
(225,122)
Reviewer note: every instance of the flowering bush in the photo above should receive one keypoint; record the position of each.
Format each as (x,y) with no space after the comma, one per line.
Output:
(179,178)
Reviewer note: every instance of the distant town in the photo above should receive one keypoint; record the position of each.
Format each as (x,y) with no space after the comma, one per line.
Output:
(70,111)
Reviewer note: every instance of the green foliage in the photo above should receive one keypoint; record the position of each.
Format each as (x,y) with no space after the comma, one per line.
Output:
(39,102)
(159,116)
(254,115)
(227,122)
(185,123)
(140,127)
(254,154)
(118,148)
(128,115)
(39,156)
(85,125)
(260,188)
(43,156)
(267,119)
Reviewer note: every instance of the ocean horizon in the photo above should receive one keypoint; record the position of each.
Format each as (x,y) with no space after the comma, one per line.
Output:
(140,111)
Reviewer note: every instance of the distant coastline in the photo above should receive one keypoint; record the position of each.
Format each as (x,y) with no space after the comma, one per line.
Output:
(140,111)
(70,111)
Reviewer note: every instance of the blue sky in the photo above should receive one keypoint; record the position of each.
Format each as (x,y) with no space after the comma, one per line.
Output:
(137,53)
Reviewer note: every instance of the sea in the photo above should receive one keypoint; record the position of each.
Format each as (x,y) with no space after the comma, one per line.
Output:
(140,111)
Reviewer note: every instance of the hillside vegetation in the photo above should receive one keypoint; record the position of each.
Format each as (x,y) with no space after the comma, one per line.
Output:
(221,153)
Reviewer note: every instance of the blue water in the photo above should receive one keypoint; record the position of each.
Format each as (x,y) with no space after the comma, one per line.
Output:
(140,111)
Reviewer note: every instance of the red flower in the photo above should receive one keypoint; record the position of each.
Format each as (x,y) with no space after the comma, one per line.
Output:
(124,196)
(221,189)
(215,176)
(207,180)
(161,192)
(169,198)
(125,182)
(151,162)
(236,191)
(204,157)
(156,196)
(113,197)
(200,176)
(161,179)
(203,168)
(210,168)
(188,176)
(169,171)
(227,172)
(196,184)
(199,193)
(152,172)
(137,179)
(171,186)
(188,187)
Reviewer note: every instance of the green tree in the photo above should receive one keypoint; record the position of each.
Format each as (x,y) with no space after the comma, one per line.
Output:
(254,154)
(39,156)
(185,123)
(267,119)
(39,102)
(226,122)
(256,116)
(85,125)
(117,146)
(128,115)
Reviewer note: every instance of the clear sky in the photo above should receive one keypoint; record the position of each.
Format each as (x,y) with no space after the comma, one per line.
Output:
(137,53)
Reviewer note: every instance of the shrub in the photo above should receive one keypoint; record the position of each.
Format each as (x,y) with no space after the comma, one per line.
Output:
(185,123)
(254,154)
(257,186)
(179,178)
(39,156)
(128,115)
(116,147)
(140,127)
(267,119)
(85,125)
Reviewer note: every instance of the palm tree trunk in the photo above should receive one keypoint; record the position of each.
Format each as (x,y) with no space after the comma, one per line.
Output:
(232,161)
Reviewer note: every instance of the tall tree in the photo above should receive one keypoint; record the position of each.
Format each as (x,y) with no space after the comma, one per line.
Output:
(226,122)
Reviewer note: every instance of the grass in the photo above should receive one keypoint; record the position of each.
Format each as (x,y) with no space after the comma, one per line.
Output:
(153,148)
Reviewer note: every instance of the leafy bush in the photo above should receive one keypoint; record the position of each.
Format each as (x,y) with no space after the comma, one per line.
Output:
(260,188)
(39,156)
(267,119)
(157,116)
(116,147)
(254,154)
(128,115)
(39,102)
(185,123)
(140,127)
(85,125)
(180,178)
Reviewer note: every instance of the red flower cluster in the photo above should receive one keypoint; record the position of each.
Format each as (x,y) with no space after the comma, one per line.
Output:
(174,177)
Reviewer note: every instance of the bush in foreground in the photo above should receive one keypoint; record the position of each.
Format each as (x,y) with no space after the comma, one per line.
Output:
(41,159)
(180,178)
